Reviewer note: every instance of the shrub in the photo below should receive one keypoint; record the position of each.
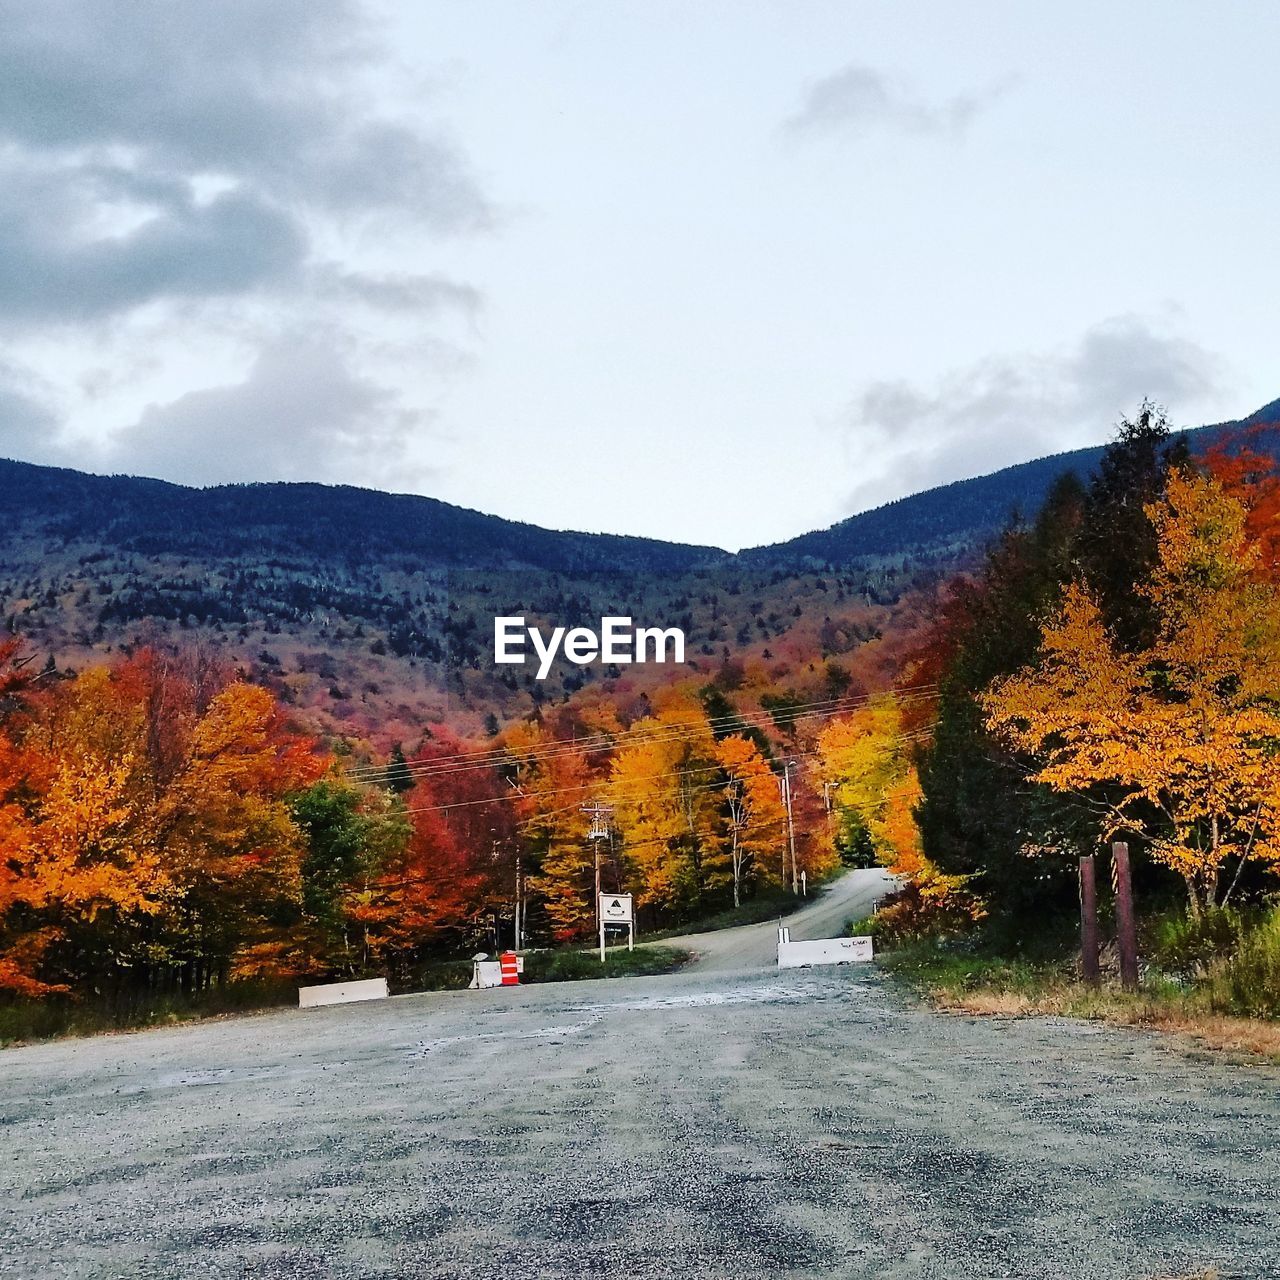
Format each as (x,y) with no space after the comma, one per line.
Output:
(562,966)
(1249,982)
(928,906)
(1189,947)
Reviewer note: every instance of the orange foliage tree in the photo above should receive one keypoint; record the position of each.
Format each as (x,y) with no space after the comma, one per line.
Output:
(755,817)
(1178,740)
(149,838)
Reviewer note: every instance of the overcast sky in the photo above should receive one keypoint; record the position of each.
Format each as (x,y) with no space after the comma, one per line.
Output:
(716,272)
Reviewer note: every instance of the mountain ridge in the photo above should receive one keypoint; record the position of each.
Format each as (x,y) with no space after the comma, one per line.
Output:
(151,515)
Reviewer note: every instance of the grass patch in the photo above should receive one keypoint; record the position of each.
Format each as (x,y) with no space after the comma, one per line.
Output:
(570,966)
(26,1020)
(977,983)
(433,975)
(551,966)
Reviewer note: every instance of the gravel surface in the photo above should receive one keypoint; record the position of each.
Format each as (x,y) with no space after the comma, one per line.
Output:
(708,1123)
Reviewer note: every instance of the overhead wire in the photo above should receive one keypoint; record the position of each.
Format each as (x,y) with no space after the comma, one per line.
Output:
(600,784)
(463,762)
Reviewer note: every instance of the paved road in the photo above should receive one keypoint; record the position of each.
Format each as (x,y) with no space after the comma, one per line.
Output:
(751,946)
(706,1124)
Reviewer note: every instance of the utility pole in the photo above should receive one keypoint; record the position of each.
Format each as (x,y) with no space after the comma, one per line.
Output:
(791,828)
(519,900)
(599,831)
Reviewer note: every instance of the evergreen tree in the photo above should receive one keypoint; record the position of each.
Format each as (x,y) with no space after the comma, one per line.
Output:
(398,778)
(979,813)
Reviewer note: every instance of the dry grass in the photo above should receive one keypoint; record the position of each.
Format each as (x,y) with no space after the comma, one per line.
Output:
(1180,1016)
(985,985)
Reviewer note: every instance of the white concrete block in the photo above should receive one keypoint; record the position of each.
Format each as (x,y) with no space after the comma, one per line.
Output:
(487,973)
(796,955)
(342,992)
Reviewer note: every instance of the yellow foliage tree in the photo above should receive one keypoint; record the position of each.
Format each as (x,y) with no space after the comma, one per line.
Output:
(755,814)
(665,794)
(866,764)
(861,758)
(1179,740)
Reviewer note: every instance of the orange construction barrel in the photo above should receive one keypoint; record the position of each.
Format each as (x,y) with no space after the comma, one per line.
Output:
(510,969)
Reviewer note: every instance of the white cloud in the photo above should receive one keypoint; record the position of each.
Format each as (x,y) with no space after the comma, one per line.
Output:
(301,413)
(1011,409)
(857,100)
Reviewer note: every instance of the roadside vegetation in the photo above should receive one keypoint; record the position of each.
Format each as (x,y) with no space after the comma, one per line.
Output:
(22,1021)
(177,840)
(1111,673)
(978,981)
(25,1021)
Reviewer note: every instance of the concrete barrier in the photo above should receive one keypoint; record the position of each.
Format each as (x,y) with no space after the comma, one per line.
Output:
(342,992)
(488,973)
(797,955)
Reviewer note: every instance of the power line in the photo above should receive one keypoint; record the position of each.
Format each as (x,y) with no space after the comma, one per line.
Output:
(597,784)
(556,748)
(603,740)
(561,746)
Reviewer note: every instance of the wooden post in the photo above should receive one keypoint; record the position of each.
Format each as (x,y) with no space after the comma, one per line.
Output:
(1090,969)
(1126,931)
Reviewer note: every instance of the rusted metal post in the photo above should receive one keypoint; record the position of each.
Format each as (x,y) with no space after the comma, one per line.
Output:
(1090,969)
(1126,931)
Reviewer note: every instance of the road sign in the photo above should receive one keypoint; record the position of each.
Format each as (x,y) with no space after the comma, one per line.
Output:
(615,908)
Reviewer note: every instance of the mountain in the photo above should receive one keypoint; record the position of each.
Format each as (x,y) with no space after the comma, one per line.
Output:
(311,520)
(372,613)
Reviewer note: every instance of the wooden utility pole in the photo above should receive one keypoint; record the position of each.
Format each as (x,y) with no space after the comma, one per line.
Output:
(1090,969)
(791,829)
(519,901)
(1126,929)
(599,814)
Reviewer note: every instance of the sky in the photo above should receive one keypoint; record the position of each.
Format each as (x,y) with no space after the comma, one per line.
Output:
(712,272)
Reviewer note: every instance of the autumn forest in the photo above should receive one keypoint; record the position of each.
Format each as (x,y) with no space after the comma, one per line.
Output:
(212,799)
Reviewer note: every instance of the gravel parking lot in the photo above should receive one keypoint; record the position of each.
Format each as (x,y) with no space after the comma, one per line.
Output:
(709,1123)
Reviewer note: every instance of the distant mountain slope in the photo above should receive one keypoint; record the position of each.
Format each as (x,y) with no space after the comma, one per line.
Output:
(364,526)
(372,613)
(352,526)
(955,516)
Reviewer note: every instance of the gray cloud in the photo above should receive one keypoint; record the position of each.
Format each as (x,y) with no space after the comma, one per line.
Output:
(421,294)
(1007,410)
(301,413)
(155,149)
(27,427)
(50,270)
(858,100)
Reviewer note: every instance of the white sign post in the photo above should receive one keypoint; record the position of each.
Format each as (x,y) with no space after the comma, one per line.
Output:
(615,908)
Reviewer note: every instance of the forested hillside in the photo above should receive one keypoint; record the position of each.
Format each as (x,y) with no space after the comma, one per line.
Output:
(261,756)
(372,613)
